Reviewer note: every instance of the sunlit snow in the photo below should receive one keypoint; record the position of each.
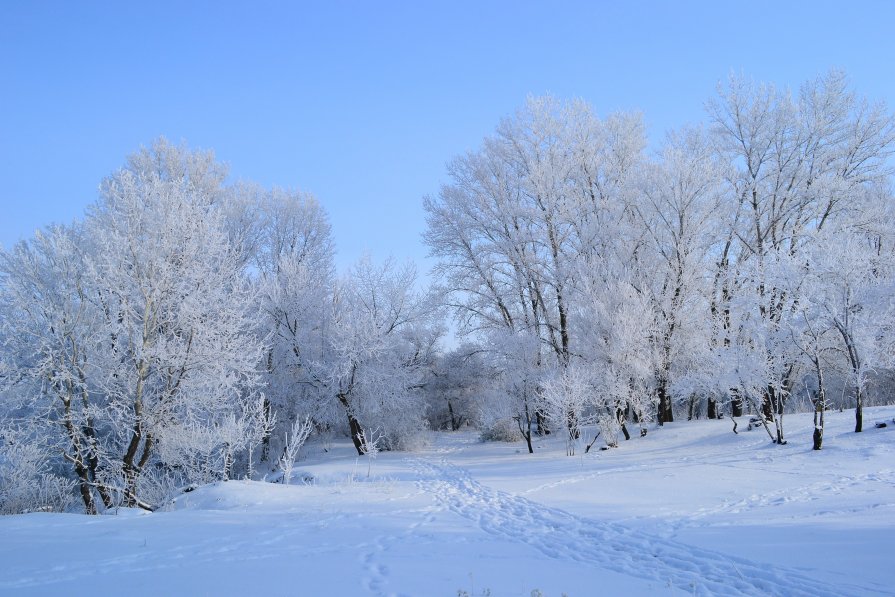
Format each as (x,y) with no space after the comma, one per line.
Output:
(690,509)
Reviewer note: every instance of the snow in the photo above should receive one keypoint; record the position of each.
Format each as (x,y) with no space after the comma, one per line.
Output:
(689,509)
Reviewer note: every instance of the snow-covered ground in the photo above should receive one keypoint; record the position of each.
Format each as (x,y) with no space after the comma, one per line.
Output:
(689,509)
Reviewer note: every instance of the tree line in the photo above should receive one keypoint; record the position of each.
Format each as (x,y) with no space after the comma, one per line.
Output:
(744,264)
(189,329)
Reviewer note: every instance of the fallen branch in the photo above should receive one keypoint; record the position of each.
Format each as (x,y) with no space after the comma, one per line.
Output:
(591,444)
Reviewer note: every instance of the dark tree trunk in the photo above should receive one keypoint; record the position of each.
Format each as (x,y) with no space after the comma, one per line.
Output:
(736,404)
(777,404)
(130,469)
(572,424)
(524,423)
(77,460)
(767,410)
(665,413)
(456,422)
(84,485)
(620,415)
(357,434)
(818,436)
(354,426)
(527,436)
(820,406)
(265,441)
(693,408)
(712,410)
(541,422)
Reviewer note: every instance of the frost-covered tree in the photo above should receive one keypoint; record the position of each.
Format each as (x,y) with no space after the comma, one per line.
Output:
(512,403)
(798,165)
(511,226)
(52,330)
(677,210)
(559,223)
(854,297)
(179,351)
(568,397)
(520,215)
(456,384)
(622,352)
(296,276)
(379,346)
(133,330)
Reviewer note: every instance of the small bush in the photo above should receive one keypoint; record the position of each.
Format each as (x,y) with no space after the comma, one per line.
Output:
(27,483)
(502,430)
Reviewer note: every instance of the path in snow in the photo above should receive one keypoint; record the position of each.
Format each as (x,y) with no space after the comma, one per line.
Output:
(561,535)
(805,493)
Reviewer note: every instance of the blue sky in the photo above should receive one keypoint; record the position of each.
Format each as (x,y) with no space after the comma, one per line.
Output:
(363,103)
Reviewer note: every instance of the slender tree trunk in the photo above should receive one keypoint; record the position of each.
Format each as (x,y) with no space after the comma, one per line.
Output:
(819,408)
(693,408)
(524,423)
(772,410)
(665,413)
(712,408)
(736,403)
(541,423)
(766,409)
(129,466)
(456,422)
(354,426)
(855,362)
(572,424)
(620,415)
(265,441)
(81,470)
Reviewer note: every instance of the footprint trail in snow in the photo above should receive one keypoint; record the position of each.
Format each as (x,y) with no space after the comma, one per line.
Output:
(562,535)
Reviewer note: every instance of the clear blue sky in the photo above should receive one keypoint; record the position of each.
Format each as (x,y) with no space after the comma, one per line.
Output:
(363,103)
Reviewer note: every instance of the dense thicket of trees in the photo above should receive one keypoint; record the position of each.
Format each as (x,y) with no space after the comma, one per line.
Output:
(740,266)
(188,329)
(177,333)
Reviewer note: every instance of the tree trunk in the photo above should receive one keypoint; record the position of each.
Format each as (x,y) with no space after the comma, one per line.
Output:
(665,413)
(542,427)
(818,436)
(859,411)
(354,426)
(772,405)
(77,460)
(767,410)
(712,409)
(265,441)
(525,427)
(820,406)
(572,424)
(455,424)
(693,407)
(130,469)
(736,403)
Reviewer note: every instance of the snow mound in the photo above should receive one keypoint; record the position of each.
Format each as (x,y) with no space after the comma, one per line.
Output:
(237,495)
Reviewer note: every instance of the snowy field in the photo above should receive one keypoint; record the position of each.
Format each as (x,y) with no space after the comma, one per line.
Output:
(689,509)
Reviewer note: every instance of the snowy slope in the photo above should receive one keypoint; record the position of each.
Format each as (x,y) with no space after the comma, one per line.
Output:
(689,509)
